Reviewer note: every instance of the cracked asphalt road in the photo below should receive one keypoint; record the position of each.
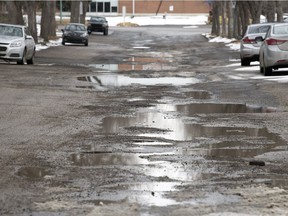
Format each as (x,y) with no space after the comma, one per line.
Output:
(145,121)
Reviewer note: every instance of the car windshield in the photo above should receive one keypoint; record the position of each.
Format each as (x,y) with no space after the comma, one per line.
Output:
(11,31)
(97,19)
(280,30)
(258,29)
(75,28)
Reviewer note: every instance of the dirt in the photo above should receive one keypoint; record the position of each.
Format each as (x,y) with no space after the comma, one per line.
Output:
(144,121)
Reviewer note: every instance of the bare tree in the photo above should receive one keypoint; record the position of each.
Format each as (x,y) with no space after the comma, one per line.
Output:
(75,12)
(30,7)
(48,22)
(15,8)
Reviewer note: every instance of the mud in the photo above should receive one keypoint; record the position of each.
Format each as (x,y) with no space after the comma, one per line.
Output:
(156,121)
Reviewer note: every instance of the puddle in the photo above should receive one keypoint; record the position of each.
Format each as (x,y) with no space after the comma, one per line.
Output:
(208,108)
(32,172)
(146,60)
(89,159)
(142,142)
(135,66)
(116,80)
(144,193)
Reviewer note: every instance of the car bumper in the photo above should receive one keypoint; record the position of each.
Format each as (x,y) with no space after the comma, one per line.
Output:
(250,51)
(276,58)
(76,40)
(11,53)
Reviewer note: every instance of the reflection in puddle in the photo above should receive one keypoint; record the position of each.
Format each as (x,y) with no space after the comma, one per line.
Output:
(32,172)
(137,64)
(175,129)
(115,80)
(146,193)
(203,108)
(107,159)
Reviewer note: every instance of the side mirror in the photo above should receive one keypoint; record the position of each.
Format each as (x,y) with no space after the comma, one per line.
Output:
(28,37)
(259,39)
(62,30)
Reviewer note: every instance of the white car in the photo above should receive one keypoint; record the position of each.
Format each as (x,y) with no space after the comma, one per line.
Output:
(16,44)
(274,49)
(249,48)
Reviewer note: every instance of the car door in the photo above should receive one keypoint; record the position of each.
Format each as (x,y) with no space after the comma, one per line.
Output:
(30,43)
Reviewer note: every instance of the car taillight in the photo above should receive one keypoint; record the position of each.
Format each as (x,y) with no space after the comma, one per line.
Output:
(246,40)
(272,41)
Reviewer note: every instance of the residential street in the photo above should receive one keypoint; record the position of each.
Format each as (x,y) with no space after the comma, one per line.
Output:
(149,120)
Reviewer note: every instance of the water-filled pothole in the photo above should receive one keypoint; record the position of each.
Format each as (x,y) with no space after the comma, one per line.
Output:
(32,172)
(117,80)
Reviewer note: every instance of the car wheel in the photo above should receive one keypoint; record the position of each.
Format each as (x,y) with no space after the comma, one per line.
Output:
(267,71)
(105,32)
(245,62)
(261,69)
(31,60)
(86,44)
(63,41)
(23,60)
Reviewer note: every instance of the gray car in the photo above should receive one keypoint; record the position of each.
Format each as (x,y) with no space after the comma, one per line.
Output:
(16,44)
(274,49)
(249,48)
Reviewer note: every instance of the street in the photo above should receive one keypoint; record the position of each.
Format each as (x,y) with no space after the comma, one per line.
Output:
(148,120)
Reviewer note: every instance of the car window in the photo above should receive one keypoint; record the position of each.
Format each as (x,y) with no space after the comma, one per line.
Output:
(258,29)
(11,31)
(97,19)
(280,30)
(70,28)
(80,28)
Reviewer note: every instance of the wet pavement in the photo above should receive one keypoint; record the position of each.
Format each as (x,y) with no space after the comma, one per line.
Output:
(150,124)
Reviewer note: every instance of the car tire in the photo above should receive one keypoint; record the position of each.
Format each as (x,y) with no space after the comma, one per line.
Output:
(267,71)
(23,60)
(63,42)
(86,44)
(261,70)
(31,60)
(105,32)
(245,62)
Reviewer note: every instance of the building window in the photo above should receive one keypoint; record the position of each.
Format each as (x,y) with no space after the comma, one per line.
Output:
(93,7)
(107,7)
(114,9)
(100,7)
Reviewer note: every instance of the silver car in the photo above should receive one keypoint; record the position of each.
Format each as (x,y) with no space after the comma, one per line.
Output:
(249,48)
(16,44)
(274,49)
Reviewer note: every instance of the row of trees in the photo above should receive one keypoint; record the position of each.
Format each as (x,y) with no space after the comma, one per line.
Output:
(230,18)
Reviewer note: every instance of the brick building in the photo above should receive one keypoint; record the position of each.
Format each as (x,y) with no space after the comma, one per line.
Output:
(142,7)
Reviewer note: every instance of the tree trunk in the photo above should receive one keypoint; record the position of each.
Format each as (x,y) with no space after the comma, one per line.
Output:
(215,19)
(255,8)
(48,22)
(223,11)
(85,8)
(14,9)
(271,8)
(279,10)
(75,12)
(30,7)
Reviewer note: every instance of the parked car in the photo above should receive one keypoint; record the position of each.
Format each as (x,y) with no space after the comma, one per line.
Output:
(249,48)
(75,33)
(16,44)
(273,52)
(98,24)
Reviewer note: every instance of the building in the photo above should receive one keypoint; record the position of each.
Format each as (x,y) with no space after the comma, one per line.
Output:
(148,7)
